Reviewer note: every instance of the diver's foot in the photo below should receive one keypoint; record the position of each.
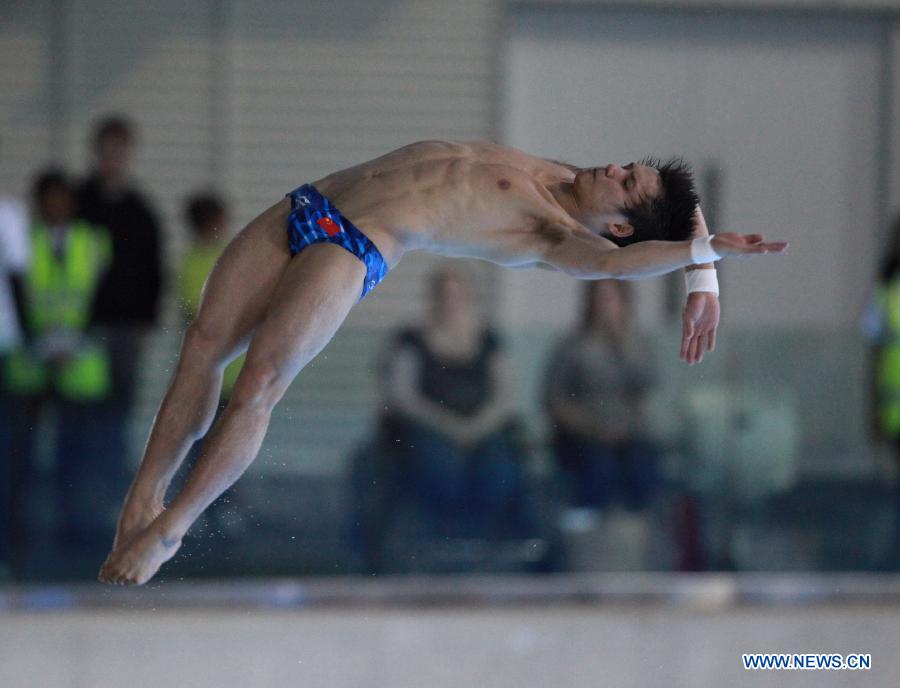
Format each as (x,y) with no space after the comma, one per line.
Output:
(134,520)
(138,560)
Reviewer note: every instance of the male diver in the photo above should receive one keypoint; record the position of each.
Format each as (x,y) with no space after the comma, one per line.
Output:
(285,284)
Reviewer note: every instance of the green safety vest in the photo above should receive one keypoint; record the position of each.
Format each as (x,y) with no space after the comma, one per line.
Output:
(889,359)
(59,292)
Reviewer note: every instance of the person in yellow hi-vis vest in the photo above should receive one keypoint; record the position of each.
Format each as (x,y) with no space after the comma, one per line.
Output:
(61,364)
(207,217)
(881,326)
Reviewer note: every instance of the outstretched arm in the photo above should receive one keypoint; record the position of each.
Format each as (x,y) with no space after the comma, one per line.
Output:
(585,256)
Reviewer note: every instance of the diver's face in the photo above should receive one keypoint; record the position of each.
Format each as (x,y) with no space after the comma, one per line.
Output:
(604,193)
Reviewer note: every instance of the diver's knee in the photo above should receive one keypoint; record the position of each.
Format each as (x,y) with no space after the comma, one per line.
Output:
(260,386)
(205,340)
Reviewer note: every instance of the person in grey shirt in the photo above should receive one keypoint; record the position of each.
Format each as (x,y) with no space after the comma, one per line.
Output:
(597,383)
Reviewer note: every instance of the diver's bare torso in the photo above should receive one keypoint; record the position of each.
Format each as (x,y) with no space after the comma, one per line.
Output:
(474,199)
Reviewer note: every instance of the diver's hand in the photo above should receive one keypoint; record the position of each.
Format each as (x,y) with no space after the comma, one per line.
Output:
(733,244)
(699,320)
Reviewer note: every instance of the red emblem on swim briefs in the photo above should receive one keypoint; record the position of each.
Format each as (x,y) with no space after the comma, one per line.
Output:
(330,226)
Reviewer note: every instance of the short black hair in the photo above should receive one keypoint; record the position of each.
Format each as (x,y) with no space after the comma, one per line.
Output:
(47,179)
(114,126)
(202,209)
(671,216)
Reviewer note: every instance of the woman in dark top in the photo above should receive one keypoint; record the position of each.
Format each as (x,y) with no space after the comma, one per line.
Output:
(450,401)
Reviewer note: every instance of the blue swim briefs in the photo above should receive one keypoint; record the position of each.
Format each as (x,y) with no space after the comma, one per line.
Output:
(314,220)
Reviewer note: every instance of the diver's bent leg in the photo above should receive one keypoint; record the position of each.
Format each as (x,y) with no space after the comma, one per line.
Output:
(235,300)
(313,298)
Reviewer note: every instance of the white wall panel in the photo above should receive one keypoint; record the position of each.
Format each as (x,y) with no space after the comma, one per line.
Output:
(25,116)
(152,62)
(783,107)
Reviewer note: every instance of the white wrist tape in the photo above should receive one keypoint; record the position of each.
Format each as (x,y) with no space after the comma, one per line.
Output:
(702,251)
(701,280)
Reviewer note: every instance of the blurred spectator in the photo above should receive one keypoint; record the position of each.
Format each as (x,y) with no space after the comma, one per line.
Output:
(127,301)
(881,326)
(61,363)
(449,389)
(207,218)
(13,262)
(597,383)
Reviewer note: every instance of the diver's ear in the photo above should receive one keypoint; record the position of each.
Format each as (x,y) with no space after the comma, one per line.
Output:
(620,230)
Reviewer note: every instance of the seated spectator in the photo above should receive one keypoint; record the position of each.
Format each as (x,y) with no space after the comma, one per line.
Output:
(597,382)
(62,363)
(449,394)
